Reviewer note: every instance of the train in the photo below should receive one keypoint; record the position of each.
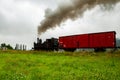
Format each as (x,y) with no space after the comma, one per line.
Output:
(98,41)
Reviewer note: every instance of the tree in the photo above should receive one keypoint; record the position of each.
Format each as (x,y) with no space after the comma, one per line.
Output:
(3,45)
(9,46)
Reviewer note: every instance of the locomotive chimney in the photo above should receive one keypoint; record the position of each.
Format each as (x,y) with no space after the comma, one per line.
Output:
(38,40)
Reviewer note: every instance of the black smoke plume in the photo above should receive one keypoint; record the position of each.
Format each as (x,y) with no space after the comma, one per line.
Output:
(73,10)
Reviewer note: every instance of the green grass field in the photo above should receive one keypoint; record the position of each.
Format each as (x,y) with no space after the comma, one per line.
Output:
(33,65)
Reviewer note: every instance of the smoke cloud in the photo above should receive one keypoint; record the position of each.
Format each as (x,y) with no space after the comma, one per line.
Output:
(73,10)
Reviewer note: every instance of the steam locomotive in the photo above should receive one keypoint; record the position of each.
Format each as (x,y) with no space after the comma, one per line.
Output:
(97,41)
(48,45)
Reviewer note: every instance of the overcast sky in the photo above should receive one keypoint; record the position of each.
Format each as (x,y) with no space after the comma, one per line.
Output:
(19,20)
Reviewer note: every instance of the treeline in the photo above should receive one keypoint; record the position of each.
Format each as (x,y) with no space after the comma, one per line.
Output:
(5,46)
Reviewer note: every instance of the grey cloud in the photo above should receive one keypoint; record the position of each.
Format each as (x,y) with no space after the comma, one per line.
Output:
(14,21)
(49,3)
(2,21)
(14,27)
(18,22)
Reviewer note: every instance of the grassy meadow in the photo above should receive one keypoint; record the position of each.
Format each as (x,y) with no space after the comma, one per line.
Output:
(39,65)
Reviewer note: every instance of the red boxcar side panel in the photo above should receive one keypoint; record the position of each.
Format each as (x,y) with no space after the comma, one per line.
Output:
(82,41)
(110,40)
(93,40)
(102,40)
(79,41)
(70,42)
(96,40)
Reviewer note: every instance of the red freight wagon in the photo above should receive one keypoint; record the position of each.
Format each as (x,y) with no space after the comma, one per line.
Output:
(98,41)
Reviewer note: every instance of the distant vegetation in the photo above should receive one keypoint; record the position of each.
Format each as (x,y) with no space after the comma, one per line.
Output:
(37,65)
(6,46)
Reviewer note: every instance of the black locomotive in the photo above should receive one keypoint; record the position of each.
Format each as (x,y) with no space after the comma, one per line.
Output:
(48,45)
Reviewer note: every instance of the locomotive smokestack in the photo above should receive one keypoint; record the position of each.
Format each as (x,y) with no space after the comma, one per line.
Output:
(73,10)
(37,40)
